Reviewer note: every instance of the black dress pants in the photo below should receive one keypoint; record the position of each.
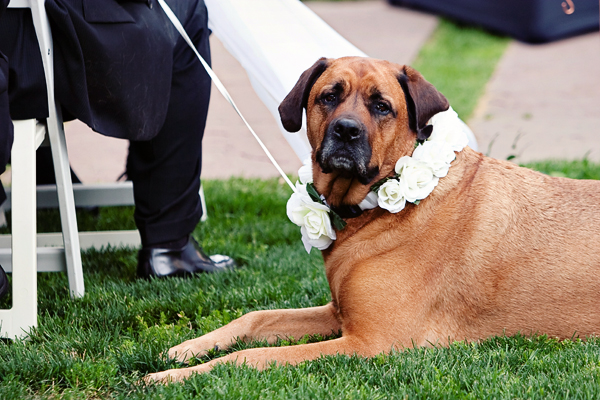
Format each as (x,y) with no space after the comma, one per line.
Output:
(166,169)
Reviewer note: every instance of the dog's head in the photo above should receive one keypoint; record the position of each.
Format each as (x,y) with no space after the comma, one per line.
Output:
(362,116)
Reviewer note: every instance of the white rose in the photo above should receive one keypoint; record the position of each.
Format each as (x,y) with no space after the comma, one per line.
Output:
(312,218)
(416,178)
(391,197)
(438,155)
(321,243)
(448,128)
(371,201)
(305,172)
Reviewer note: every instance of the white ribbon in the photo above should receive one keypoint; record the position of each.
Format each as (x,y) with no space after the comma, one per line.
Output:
(221,88)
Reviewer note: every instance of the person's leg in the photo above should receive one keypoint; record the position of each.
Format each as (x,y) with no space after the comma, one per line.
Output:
(166,169)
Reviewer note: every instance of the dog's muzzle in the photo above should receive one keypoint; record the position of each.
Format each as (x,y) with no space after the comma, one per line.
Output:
(345,149)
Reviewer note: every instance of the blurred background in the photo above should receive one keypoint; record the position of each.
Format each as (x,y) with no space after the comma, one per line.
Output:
(523,101)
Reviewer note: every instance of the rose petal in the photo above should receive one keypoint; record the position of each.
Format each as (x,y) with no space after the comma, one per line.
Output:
(438,155)
(305,173)
(320,243)
(447,127)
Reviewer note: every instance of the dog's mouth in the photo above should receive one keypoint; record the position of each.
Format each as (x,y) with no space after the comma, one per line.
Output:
(345,164)
(348,155)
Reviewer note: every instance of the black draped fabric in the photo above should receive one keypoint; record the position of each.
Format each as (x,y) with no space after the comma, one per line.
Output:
(113,63)
(534,21)
(6,127)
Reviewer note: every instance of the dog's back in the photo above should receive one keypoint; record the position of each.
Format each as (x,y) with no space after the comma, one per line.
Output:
(542,239)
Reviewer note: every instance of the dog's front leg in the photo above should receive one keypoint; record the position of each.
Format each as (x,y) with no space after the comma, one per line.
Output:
(267,325)
(261,358)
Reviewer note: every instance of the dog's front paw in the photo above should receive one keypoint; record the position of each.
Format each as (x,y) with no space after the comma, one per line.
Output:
(176,375)
(189,349)
(167,376)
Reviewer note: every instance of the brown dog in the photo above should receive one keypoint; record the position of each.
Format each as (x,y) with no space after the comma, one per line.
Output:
(494,249)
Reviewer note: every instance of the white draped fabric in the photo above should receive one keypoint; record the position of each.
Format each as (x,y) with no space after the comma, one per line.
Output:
(275,41)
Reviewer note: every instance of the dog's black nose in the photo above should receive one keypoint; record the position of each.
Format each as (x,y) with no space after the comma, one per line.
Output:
(347,129)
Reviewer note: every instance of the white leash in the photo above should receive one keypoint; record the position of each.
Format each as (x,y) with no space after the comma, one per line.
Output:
(221,88)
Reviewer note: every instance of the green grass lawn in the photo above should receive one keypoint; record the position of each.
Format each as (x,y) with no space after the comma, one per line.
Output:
(459,60)
(101,345)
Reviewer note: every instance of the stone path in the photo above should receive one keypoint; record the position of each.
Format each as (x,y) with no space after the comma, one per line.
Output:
(544,100)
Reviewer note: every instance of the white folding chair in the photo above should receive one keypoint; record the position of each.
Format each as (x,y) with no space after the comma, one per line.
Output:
(26,258)
(17,321)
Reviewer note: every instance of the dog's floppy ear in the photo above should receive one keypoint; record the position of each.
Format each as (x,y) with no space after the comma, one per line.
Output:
(290,109)
(423,101)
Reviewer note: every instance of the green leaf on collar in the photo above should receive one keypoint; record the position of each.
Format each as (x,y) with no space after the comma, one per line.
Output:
(312,192)
(337,221)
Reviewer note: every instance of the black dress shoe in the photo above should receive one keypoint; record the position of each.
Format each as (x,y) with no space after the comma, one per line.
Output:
(185,261)
(3,283)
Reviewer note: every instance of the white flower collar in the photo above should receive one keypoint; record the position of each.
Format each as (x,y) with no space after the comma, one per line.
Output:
(416,177)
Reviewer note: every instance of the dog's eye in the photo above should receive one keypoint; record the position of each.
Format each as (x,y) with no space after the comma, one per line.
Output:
(382,108)
(330,98)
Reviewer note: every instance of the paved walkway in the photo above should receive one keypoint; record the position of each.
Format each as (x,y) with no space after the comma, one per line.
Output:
(549,94)
(544,100)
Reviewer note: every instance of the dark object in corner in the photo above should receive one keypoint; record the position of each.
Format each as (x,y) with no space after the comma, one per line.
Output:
(533,21)
(3,283)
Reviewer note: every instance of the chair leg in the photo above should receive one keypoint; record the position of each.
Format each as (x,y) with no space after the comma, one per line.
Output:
(203,203)
(66,205)
(17,321)
(58,144)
